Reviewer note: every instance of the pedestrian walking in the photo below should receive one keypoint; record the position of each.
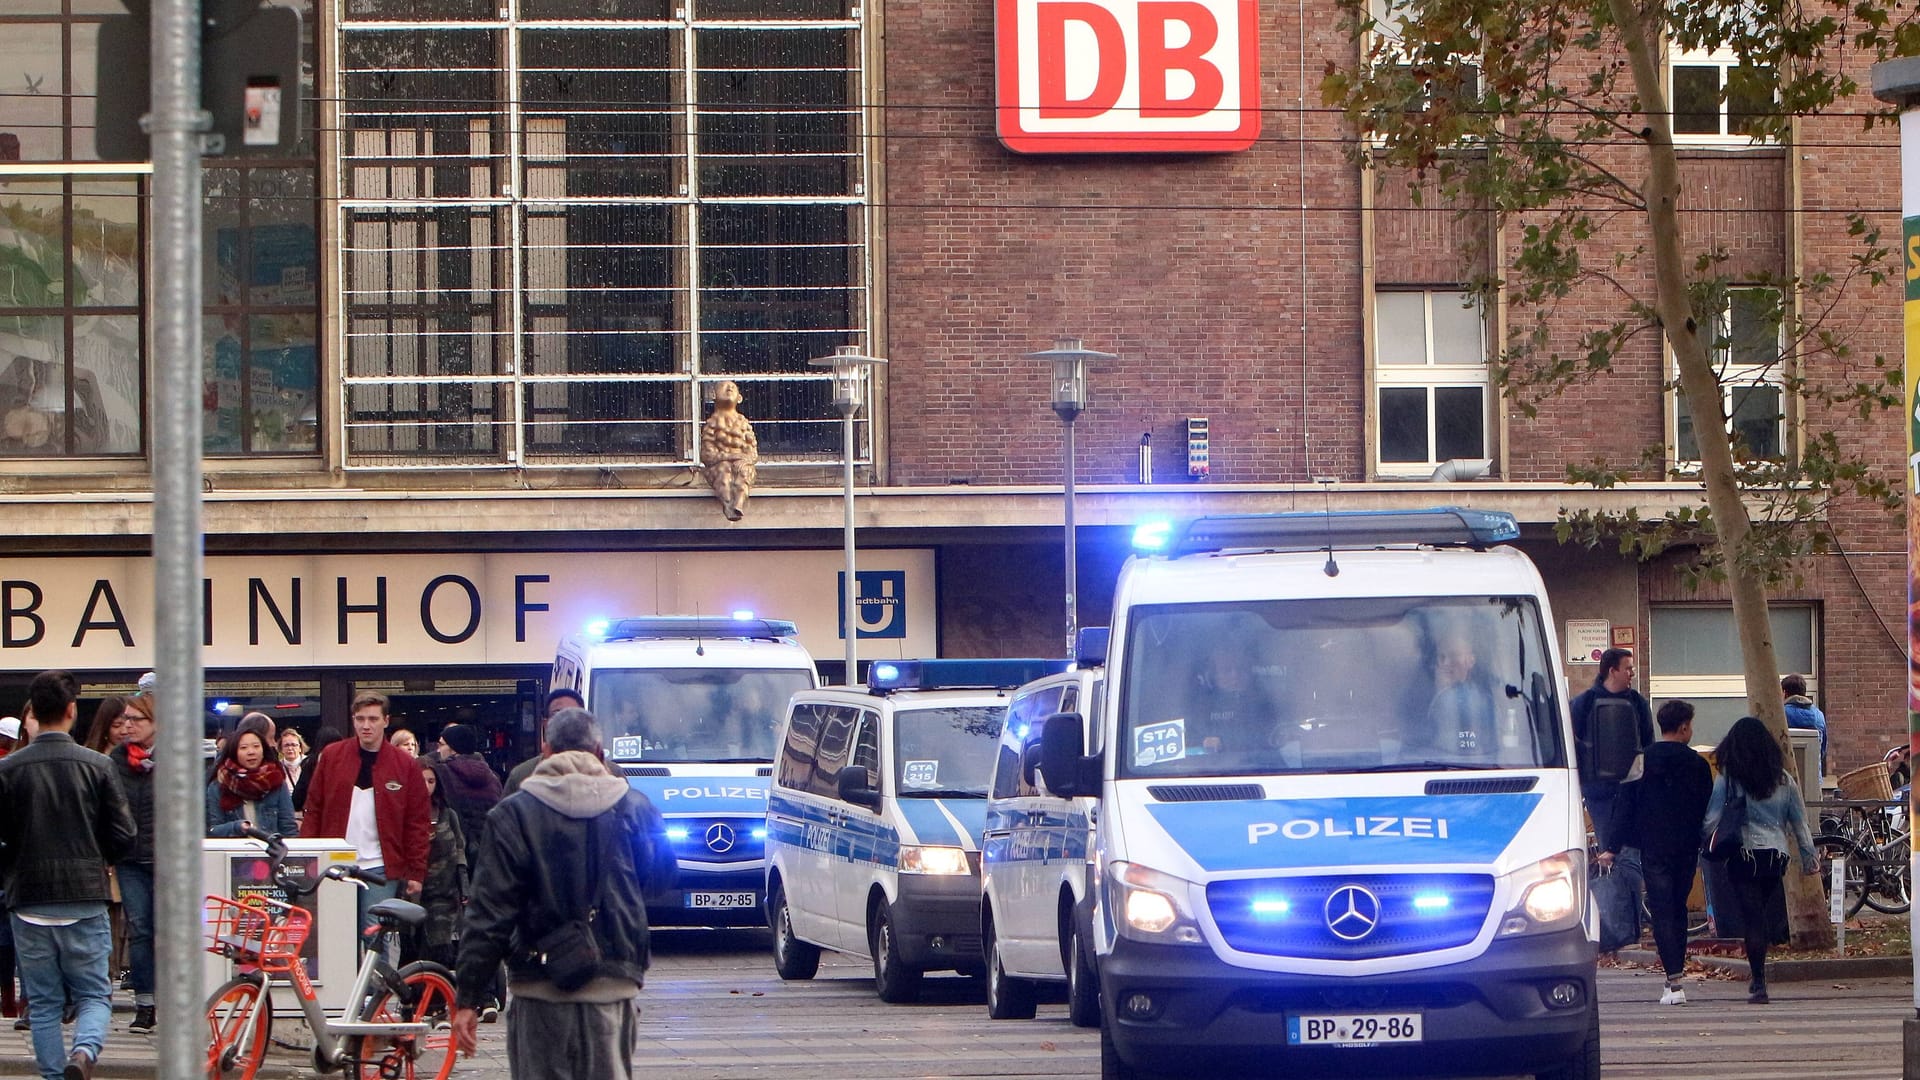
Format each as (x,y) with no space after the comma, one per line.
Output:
(406,742)
(366,792)
(473,788)
(1773,833)
(107,729)
(133,764)
(249,786)
(1615,682)
(63,820)
(1661,814)
(557,699)
(444,892)
(559,894)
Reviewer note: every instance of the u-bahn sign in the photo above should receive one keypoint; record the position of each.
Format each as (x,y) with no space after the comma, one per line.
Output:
(1127,76)
(96,612)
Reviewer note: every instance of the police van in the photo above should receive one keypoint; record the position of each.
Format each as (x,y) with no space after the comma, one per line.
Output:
(1339,825)
(874,820)
(1036,899)
(688,707)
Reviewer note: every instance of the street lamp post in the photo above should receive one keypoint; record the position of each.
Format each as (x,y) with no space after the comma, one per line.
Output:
(849,393)
(1069,360)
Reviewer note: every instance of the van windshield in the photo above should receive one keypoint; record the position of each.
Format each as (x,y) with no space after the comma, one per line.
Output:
(692,714)
(946,752)
(1349,685)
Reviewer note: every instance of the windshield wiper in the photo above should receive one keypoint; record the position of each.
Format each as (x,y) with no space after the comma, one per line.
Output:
(1425,766)
(943,793)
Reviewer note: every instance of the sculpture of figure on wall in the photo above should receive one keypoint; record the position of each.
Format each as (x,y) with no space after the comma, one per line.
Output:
(728,451)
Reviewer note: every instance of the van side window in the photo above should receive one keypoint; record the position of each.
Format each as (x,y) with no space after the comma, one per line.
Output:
(796,757)
(1024,721)
(866,746)
(836,739)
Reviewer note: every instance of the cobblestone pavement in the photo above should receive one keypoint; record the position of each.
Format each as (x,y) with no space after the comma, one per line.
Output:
(714,1010)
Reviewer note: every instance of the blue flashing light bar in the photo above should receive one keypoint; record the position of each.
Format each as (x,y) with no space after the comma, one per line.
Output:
(650,627)
(676,832)
(1310,530)
(1431,902)
(1271,906)
(884,676)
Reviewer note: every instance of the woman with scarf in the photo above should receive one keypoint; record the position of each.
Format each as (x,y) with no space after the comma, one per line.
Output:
(133,764)
(249,785)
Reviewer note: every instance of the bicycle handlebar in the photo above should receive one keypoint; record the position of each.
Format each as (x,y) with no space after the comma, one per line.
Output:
(295,885)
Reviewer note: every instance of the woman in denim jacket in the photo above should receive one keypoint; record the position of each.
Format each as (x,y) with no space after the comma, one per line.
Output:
(1775,829)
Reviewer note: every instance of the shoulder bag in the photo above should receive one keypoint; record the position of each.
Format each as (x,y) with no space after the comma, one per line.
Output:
(569,952)
(1726,841)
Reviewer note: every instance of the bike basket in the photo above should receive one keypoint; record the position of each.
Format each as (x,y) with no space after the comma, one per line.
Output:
(1868,783)
(257,931)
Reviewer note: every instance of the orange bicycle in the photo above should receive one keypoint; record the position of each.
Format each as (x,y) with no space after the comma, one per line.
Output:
(399,1025)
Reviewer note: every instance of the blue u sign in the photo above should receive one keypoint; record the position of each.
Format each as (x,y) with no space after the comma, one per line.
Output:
(880,606)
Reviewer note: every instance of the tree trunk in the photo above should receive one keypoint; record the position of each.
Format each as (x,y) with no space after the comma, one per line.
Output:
(1699,382)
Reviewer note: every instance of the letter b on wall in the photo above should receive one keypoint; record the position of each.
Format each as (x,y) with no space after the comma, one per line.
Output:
(1127,76)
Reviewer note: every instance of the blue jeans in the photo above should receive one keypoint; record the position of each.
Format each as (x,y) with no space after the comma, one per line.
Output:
(369,897)
(56,961)
(136,903)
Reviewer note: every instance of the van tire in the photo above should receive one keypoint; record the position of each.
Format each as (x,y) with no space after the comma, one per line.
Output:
(1585,1063)
(1008,998)
(893,980)
(1083,982)
(792,958)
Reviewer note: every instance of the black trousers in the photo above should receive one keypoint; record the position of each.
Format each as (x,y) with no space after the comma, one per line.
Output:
(1669,879)
(1758,887)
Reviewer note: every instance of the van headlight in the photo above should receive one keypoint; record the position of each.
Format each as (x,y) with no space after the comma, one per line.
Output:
(932,860)
(1551,894)
(1151,906)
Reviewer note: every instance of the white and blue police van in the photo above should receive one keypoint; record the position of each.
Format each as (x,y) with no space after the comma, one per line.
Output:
(1036,895)
(1339,828)
(879,796)
(688,707)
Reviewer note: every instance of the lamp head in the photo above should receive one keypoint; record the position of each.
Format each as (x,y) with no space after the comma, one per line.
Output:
(1068,361)
(849,369)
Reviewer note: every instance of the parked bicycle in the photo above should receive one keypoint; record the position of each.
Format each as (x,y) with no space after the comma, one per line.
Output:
(1868,827)
(398,1025)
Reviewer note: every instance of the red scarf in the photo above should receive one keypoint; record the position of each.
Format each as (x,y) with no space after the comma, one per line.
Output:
(139,758)
(238,785)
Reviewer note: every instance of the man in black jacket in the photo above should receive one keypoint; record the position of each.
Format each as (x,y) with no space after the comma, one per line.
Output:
(63,819)
(1615,682)
(1661,814)
(574,843)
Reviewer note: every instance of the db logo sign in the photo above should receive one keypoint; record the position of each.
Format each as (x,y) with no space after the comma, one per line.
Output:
(1106,76)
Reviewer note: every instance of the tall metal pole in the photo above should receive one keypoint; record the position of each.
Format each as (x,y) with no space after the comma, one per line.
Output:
(176,124)
(1073,569)
(848,600)
(1897,82)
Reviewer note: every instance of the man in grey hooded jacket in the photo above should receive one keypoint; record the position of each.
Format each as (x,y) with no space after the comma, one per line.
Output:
(575,842)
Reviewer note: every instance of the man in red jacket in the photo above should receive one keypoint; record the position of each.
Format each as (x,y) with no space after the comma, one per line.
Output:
(370,794)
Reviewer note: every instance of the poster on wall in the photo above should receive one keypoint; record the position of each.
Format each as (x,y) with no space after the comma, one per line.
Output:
(250,876)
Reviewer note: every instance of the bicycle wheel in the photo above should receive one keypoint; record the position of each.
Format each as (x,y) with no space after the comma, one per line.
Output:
(227,1013)
(1890,894)
(1832,847)
(428,999)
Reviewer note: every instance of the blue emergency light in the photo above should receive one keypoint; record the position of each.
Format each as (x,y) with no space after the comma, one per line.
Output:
(1311,530)
(886,676)
(662,627)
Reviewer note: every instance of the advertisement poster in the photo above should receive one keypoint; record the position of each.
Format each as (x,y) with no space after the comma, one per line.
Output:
(250,875)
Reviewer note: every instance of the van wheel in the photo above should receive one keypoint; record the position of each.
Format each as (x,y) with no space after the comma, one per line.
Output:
(1083,982)
(1585,1063)
(792,958)
(893,980)
(1008,998)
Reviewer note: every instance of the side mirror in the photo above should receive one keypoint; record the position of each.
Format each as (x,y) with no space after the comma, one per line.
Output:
(856,786)
(1613,740)
(1063,759)
(1029,761)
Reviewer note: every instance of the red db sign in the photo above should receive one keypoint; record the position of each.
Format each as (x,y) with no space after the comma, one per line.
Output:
(1127,76)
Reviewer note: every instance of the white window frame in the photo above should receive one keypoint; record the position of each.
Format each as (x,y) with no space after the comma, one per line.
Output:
(1431,374)
(1728,686)
(1387,30)
(1734,377)
(1721,61)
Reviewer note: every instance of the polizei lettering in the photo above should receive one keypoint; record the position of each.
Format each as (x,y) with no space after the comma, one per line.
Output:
(713,791)
(1360,825)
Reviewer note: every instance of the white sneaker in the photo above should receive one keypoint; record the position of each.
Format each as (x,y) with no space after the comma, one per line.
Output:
(1673,995)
